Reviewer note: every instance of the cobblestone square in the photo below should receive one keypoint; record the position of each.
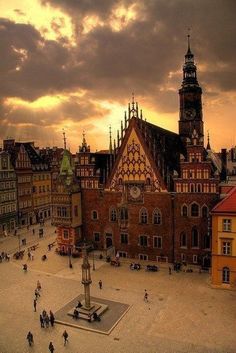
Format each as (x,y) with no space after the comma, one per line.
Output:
(184,314)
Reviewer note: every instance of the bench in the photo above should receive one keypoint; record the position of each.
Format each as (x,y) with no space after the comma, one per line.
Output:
(33,247)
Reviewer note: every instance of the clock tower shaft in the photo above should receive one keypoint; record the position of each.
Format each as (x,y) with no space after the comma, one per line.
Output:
(190,95)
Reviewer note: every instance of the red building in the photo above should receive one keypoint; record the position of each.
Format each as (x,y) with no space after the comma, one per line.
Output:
(149,196)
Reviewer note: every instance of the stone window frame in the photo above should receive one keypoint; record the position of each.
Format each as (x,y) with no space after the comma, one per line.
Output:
(143,215)
(226,247)
(191,209)
(93,212)
(113,214)
(143,257)
(226,224)
(182,210)
(226,275)
(204,214)
(157,238)
(157,214)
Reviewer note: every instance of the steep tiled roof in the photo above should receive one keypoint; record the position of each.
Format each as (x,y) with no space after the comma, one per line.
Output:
(228,204)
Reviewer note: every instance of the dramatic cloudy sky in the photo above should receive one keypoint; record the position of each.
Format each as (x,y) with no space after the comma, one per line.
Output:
(74,64)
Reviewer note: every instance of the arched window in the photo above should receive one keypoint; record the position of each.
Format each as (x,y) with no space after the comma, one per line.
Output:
(148,181)
(143,216)
(94,215)
(226,275)
(194,210)
(156,217)
(195,238)
(183,240)
(199,187)
(113,215)
(192,188)
(184,211)
(206,241)
(120,181)
(204,211)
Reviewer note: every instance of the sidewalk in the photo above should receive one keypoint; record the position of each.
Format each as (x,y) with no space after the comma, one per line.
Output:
(25,238)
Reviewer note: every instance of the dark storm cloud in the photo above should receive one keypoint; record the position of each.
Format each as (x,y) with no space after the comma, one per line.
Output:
(110,64)
(81,8)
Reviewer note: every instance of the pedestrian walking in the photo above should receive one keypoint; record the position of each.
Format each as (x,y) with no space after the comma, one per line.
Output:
(39,287)
(170,271)
(65,336)
(41,320)
(47,320)
(37,295)
(29,255)
(30,338)
(51,347)
(145,296)
(100,284)
(33,231)
(35,304)
(52,318)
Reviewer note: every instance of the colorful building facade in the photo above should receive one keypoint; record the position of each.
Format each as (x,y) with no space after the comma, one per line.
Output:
(224,242)
(66,207)
(8,195)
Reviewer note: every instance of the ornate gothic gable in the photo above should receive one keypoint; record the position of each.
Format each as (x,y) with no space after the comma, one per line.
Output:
(135,164)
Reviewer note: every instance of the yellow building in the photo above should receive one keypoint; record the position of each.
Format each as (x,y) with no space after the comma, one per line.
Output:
(42,194)
(224,242)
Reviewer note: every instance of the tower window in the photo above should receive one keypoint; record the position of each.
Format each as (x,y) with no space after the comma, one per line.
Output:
(194,210)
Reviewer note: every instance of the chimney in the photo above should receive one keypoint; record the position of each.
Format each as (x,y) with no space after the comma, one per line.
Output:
(8,144)
(223,173)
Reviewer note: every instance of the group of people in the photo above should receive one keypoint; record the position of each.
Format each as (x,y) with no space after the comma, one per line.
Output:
(4,256)
(46,319)
(30,256)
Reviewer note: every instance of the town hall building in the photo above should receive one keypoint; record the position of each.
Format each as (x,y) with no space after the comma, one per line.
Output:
(150,195)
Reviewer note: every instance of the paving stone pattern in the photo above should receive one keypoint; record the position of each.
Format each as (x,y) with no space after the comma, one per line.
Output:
(183,315)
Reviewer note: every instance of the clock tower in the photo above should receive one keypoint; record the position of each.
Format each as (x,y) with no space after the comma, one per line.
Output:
(190,95)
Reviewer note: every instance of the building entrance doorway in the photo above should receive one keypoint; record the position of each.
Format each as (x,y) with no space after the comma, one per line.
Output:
(109,242)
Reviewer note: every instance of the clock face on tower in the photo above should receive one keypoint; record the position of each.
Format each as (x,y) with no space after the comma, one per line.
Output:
(135,192)
(189,113)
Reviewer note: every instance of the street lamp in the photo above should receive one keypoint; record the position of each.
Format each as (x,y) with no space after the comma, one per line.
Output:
(93,261)
(19,241)
(69,253)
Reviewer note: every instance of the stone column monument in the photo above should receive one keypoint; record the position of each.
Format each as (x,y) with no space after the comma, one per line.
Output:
(86,278)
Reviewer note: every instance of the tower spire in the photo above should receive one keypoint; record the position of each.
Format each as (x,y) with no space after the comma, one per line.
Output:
(208,141)
(64,138)
(110,144)
(189,50)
